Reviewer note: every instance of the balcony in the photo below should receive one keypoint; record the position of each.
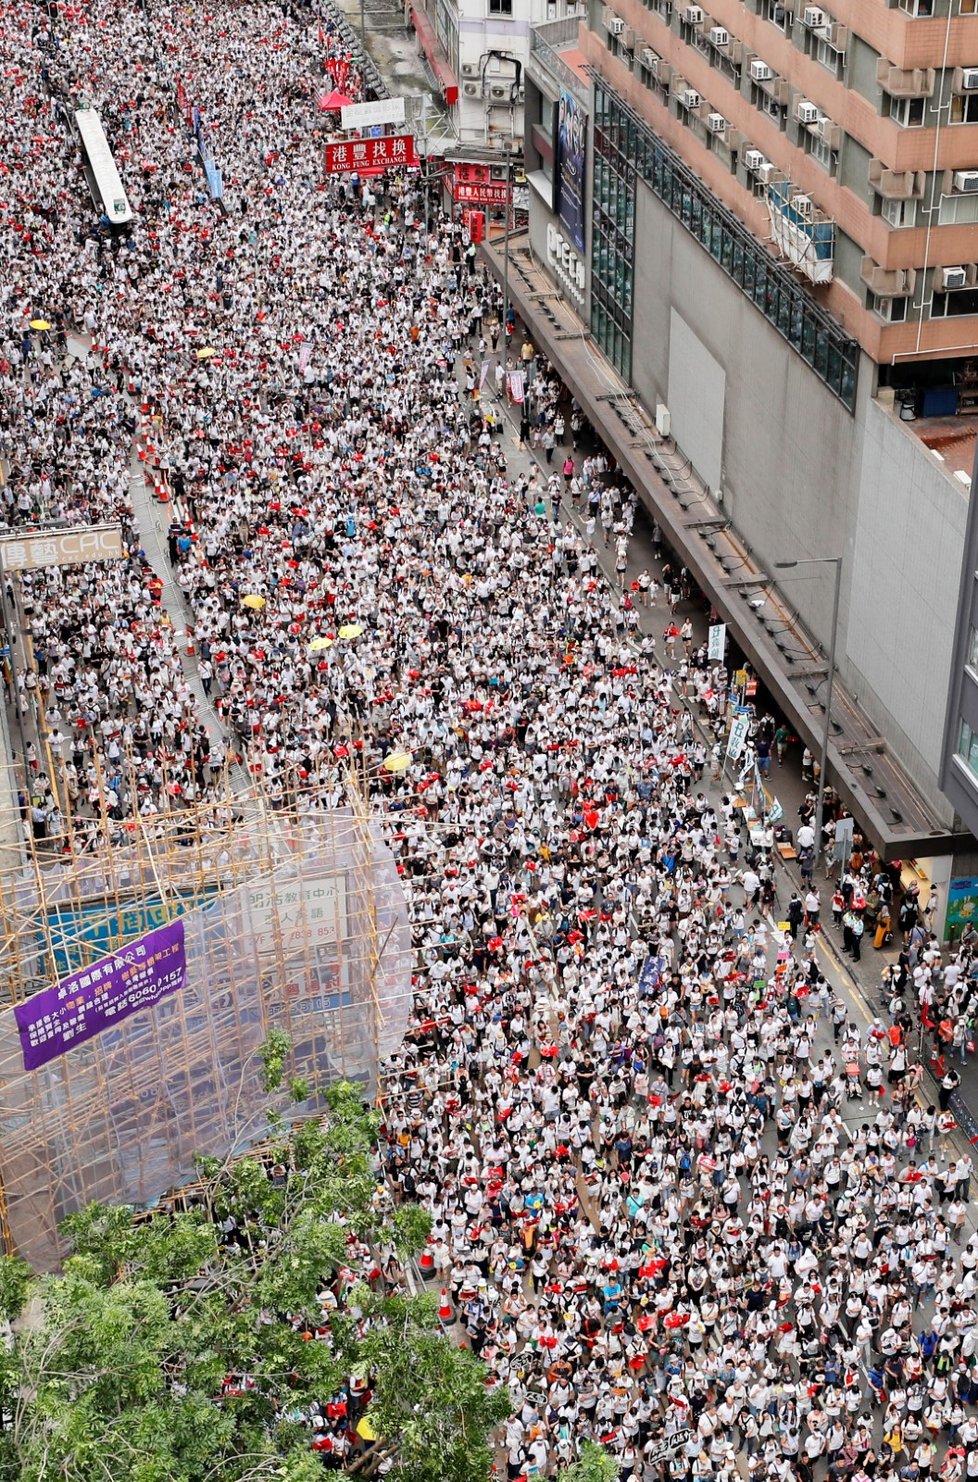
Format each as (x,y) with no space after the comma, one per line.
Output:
(896,185)
(802,233)
(778,89)
(899,82)
(547,40)
(887,282)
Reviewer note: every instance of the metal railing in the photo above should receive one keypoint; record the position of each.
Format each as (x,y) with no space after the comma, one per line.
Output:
(544,41)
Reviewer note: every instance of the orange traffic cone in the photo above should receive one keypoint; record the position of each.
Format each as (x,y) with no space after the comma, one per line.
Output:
(446,1313)
(426,1262)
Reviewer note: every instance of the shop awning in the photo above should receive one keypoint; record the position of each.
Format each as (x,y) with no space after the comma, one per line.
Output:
(435,53)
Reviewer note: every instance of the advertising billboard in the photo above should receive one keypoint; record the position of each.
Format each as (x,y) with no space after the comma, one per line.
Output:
(571,160)
(96,997)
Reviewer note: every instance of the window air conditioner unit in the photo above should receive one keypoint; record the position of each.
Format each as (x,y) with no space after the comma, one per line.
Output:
(806,112)
(754,160)
(470,69)
(716,123)
(471,89)
(953,277)
(499,91)
(969,79)
(649,58)
(498,172)
(766,172)
(813,17)
(804,205)
(690,98)
(760,71)
(966,180)
(693,15)
(617,26)
(719,36)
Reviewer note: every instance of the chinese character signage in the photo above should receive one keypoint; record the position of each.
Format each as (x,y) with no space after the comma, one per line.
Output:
(98,997)
(481,193)
(288,916)
(371,154)
(571,152)
(61,547)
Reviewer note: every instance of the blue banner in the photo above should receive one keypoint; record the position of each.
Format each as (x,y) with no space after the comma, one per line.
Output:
(571,159)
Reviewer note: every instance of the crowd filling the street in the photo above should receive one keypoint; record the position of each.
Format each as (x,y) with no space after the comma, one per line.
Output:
(681,1189)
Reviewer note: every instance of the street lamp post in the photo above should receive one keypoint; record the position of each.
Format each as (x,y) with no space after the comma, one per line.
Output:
(835,561)
(509,207)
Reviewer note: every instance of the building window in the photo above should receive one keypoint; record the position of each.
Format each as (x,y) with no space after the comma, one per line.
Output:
(625,148)
(907,112)
(763,101)
(968,7)
(972,656)
(779,15)
(612,244)
(829,57)
(954,302)
(968,747)
(899,213)
(960,210)
(964,108)
(820,151)
(893,310)
(917,7)
(501,7)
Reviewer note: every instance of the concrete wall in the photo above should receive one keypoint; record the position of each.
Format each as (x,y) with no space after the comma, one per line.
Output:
(802,477)
(957,779)
(907,550)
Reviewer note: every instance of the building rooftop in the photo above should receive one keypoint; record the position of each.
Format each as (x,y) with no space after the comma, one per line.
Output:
(553,44)
(951,440)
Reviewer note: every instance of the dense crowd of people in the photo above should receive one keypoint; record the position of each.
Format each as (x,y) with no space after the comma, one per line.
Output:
(678,1196)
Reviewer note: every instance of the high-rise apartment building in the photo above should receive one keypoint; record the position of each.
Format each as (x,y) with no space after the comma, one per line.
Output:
(762,223)
(849,136)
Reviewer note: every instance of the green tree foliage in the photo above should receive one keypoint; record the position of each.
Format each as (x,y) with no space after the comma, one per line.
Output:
(593,1465)
(163,1353)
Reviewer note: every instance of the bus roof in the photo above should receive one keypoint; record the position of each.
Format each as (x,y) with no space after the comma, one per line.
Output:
(108,183)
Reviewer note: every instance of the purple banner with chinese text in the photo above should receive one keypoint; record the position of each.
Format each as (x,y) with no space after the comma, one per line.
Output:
(97,997)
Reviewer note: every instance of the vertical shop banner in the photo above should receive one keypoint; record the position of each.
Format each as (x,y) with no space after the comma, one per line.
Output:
(571,156)
(962,903)
(98,997)
(738,736)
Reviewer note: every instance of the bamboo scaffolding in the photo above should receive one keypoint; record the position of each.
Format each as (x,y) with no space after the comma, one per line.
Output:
(281,920)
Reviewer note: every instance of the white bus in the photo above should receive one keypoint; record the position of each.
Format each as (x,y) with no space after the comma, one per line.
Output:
(104,182)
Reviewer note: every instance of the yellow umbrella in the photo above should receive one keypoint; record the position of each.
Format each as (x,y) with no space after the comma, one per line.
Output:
(206,353)
(398,761)
(318,644)
(253,600)
(365,1430)
(351,630)
(40,324)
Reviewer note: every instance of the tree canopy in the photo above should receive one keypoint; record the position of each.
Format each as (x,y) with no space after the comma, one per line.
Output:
(200,1343)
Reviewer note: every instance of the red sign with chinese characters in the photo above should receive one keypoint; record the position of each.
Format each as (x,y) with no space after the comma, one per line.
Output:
(481,193)
(371,154)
